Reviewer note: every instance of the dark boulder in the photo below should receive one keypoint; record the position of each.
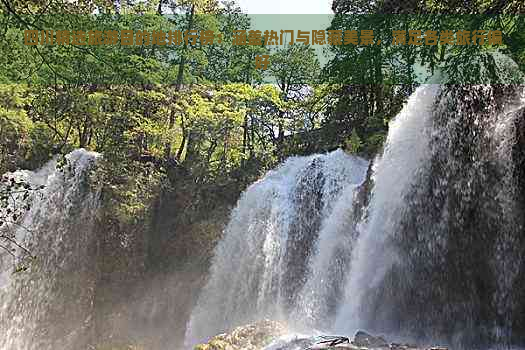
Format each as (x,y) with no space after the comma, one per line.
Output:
(363,339)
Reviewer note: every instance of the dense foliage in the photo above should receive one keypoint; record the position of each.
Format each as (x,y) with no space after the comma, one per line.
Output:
(200,116)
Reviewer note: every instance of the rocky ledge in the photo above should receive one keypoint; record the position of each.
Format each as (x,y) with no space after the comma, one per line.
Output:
(270,335)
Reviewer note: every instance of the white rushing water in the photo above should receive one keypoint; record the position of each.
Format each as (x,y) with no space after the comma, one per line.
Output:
(394,172)
(48,306)
(262,261)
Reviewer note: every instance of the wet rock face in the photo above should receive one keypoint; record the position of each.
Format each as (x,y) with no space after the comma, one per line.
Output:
(304,229)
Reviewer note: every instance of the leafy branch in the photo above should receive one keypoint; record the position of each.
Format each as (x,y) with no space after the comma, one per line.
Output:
(15,201)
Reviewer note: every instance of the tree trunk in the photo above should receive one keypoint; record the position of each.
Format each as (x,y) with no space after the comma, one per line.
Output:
(178,86)
(244,139)
(182,63)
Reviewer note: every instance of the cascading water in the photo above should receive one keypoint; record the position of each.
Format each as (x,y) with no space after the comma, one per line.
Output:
(402,162)
(459,236)
(49,306)
(262,262)
(436,254)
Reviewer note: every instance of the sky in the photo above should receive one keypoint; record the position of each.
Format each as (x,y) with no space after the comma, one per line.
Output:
(286,6)
(297,7)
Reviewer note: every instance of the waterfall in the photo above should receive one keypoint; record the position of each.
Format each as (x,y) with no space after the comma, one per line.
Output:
(434,255)
(49,306)
(461,234)
(270,243)
(439,251)
(402,162)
